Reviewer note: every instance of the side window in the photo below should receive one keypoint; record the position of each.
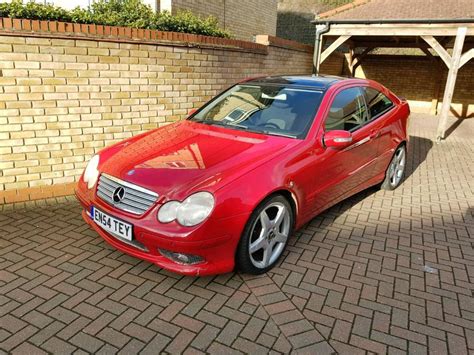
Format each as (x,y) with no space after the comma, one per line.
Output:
(348,111)
(377,102)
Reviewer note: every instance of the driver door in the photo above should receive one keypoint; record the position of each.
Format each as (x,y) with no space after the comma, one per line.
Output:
(340,172)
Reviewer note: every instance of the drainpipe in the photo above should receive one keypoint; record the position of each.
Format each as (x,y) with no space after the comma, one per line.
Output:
(320,30)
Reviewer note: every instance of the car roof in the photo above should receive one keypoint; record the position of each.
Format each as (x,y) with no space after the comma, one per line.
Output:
(321,82)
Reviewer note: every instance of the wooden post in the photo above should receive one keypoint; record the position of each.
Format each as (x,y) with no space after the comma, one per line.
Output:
(349,59)
(451,82)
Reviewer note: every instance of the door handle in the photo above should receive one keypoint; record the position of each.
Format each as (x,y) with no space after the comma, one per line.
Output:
(358,143)
(374,134)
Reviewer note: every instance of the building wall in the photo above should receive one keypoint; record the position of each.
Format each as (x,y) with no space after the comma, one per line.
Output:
(295,16)
(296,26)
(63,99)
(215,8)
(244,18)
(421,81)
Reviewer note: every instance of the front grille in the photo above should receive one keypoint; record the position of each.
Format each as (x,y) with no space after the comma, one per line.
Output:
(135,199)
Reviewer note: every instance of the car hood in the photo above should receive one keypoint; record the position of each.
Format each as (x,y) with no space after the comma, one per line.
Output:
(184,157)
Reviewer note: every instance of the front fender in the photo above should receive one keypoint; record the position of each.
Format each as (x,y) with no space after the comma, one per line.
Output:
(245,193)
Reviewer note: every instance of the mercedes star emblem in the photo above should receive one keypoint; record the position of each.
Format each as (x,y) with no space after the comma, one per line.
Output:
(118,194)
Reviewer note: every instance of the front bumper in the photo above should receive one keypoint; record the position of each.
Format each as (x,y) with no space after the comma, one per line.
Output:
(214,240)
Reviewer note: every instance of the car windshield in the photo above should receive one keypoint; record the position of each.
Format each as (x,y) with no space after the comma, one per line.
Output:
(268,109)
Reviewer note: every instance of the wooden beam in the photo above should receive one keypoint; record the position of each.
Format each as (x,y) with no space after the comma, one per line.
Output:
(333,47)
(444,55)
(401,29)
(451,82)
(466,57)
(364,43)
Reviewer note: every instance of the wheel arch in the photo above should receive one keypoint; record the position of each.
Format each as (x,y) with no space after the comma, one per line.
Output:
(401,143)
(285,193)
(289,196)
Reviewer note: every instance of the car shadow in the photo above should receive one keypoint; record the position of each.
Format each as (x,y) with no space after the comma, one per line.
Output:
(418,149)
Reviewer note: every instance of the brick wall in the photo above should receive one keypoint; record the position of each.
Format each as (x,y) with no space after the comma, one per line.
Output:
(421,80)
(243,18)
(63,99)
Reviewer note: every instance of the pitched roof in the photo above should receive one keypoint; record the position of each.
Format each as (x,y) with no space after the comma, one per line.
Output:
(402,9)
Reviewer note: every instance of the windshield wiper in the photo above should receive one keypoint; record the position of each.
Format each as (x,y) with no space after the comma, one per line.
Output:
(220,123)
(245,128)
(272,133)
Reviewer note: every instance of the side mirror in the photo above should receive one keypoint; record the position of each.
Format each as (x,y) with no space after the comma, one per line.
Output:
(337,139)
(192,111)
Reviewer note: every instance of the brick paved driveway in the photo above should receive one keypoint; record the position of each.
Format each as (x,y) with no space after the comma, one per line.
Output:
(382,272)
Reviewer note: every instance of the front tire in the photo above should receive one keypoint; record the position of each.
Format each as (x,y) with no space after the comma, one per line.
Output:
(396,169)
(265,236)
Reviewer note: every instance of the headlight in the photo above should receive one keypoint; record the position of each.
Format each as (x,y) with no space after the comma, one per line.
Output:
(91,174)
(193,210)
(168,211)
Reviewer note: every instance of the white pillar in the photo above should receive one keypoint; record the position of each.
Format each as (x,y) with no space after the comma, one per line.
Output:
(165,5)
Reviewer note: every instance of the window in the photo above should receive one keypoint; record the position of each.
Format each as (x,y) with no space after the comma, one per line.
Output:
(377,102)
(348,111)
(263,108)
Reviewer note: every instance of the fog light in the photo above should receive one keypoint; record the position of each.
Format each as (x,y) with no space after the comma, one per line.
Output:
(180,258)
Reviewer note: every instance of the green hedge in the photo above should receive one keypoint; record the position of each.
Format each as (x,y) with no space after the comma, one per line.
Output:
(128,13)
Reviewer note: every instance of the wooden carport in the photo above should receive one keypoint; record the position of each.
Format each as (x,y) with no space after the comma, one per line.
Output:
(452,40)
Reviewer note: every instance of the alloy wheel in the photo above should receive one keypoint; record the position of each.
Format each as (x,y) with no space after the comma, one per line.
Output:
(269,235)
(397,167)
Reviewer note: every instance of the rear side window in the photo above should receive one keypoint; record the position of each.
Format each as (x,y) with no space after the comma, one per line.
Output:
(377,102)
(348,111)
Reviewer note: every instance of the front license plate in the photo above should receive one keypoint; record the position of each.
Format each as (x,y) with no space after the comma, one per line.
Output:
(112,225)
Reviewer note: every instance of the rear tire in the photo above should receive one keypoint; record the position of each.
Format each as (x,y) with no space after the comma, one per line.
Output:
(265,236)
(396,169)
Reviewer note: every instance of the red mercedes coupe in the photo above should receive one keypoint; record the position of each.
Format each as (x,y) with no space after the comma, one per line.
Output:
(227,187)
